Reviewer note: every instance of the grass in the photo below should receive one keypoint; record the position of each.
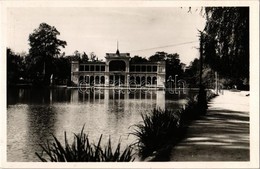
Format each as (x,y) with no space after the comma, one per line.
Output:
(81,150)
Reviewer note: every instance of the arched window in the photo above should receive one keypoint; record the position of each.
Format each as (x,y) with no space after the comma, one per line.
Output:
(137,79)
(92,80)
(97,80)
(87,79)
(154,81)
(117,65)
(81,79)
(132,79)
(143,81)
(111,79)
(149,80)
(102,80)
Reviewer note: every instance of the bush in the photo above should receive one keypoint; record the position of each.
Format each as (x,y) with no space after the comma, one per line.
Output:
(189,113)
(157,129)
(82,151)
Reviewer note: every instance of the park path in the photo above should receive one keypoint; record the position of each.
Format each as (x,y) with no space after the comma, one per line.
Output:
(221,135)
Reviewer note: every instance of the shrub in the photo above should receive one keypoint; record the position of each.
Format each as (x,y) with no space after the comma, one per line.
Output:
(157,128)
(82,151)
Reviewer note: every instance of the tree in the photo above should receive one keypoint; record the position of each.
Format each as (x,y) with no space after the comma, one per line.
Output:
(62,70)
(14,66)
(138,59)
(158,56)
(226,41)
(44,45)
(173,63)
(84,57)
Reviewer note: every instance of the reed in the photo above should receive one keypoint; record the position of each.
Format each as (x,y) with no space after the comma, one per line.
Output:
(156,129)
(81,150)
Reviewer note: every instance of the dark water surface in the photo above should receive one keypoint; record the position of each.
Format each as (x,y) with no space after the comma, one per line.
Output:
(34,114)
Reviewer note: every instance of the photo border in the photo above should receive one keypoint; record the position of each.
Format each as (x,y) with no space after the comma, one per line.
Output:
(254,83)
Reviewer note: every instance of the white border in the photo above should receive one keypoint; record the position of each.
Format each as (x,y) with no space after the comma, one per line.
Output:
(254,83)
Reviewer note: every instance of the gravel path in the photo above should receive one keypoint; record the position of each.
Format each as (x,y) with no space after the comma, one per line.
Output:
(222,135)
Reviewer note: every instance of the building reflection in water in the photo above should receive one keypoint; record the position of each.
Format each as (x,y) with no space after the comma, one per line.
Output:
(33,115)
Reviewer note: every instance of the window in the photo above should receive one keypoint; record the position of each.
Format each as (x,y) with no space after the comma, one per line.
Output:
(137,68)
(102,80)
(92,68)
(132,68)
(149,68)
(97,80)
(149,80)
(86,67)
(97,68)
(143,68)
(138,81)
(81,68)
(154,68)
(102,68)
(154,80)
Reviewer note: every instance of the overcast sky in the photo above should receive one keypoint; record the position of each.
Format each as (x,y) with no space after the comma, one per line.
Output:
(139,30)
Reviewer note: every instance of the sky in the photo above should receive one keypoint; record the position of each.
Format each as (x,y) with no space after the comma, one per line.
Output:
(139,30)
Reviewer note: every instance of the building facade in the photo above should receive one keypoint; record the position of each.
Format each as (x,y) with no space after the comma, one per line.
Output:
(118,71)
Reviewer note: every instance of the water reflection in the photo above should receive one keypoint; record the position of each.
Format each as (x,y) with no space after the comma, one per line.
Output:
(33,115)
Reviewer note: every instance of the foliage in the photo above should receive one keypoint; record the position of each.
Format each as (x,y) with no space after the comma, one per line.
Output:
(226,41)
(157,128)
(62,68)
(16,67)
(138,59)
(84,57)
(158,56)
(44,45)
(81,150)
(173,63)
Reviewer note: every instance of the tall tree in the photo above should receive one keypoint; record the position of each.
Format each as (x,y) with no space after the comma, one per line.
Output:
(173,63)
(226,41)
(45,45)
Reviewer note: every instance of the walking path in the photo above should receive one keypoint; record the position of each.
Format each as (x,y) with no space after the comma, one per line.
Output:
(222,135)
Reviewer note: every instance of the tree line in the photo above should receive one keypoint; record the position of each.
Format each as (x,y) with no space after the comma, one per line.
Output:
(45,61)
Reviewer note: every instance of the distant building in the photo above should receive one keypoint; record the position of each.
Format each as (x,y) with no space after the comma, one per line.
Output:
(118,71)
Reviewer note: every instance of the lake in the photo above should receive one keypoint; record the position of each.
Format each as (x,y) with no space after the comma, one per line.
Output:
(33,115)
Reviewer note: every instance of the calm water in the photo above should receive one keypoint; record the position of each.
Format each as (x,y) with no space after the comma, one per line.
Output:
(33,115)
